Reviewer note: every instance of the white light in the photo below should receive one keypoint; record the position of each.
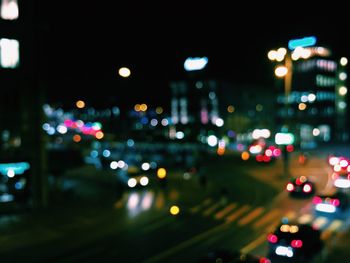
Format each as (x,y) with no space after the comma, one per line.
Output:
(113,165)
(311,97)
(132,182)
(9,9)
(327,208)
(10,173)
(145,166)
(124,72)
(284,251)
(147,200)
(121,164)
(61,129)
(9,53)
(343,61)
(284,138)
(281,71)
(195,63)
(264,133)
(343,76)
(316,132)
(165,122)
(342,183)
(144,180)
(212,140)
(343,90)
(342,105)
(133,201)
(219,122)
(180,135)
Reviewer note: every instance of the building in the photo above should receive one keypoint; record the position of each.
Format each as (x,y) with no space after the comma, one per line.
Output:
(313,102)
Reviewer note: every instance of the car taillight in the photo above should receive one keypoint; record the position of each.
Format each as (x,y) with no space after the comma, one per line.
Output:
(316,200)
(272,238)
(290,187)
(335,202)
(296,243)
(264,260)
(307,188)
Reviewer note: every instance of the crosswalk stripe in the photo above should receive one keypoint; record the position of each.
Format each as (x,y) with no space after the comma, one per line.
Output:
(251,216)
(225,211)
(335,225)
(160,201)
(211,209)
(196,208)
(305,219)
(230,218)
(267,218)
(319,222)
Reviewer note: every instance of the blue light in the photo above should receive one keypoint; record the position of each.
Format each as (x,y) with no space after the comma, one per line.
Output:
(195,63)
(18,168)
(302,42)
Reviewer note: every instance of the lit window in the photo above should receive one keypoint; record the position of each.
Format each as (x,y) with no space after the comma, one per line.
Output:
(9,53)
(9,9)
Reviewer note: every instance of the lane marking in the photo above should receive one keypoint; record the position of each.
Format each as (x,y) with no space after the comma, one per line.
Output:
(225,211)
(211,209)
(267,218)
(237,213)
(251,216)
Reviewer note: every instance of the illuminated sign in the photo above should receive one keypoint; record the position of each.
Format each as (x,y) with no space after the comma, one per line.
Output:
(13,168)
(284,138)
(195,63)
(301,42)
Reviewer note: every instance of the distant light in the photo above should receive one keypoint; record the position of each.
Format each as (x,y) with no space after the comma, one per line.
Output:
(174,210)
(113,165)
(132,182)
(144,180)
(343,76)
(281,71)
(143,107)
(99,135)
(316,132)
(284,138)
(9,53)
(159,110)
(179,135)
(145,166)
(130,142)
(62,129)
(80,104)
(196,63)
(343,90)
(9,9)
(212,140)
(161,173)
(124,72)
(106,153)
(230,109)
(302,42)
(272,54)
(76,138)
(219,122)
(302,106)
(343,61)
(328,208)
(311,97)
(245,156)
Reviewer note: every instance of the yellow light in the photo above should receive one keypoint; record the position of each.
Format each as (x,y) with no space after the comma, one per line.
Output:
(174,210)
(124,72)
(161,173)
(281,71)
(230,109)
(302,106)
(159,110)
(137,107)
(293,229)
(245,156)
(99,135)
(143,107)
(80,104)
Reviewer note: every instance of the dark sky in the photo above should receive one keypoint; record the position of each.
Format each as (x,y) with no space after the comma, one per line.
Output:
(90,41)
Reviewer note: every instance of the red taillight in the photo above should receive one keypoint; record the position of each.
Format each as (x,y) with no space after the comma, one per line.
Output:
(335,202)
(290,187)
(264,260)
(307,188)
(317,200)
(272,238)
(296,243)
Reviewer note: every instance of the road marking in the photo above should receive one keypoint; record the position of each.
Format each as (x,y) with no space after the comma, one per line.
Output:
(251,216)
(196,208)
(267,218)
(160,200)
(335,225)
(225,211)
(160,257)
(305,219)
(211,209)
(253,244)
(232,217)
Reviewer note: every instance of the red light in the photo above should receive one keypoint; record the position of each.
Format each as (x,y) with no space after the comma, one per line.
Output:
(335,202)
(298,181)
(297,243)
(259,158)
(276,152)
(272,238)
(290,148)
(290,187)
(316,200)
(264,260)
(266,159)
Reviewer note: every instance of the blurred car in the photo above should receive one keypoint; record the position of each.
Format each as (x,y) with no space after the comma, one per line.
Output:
(294,242)
(227,256)
(334,202)
(300,187)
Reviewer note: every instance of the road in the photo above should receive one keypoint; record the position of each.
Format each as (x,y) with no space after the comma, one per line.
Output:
(138,227)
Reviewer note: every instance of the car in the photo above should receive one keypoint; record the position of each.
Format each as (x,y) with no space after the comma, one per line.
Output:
(331,202)
(294,242)
(300,187)
(228,256)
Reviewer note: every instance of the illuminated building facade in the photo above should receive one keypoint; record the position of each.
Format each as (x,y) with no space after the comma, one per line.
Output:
(315,107)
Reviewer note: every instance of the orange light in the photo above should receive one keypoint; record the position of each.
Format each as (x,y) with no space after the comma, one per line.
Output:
(99,135)
(245,156)
(77,138)
(80,104)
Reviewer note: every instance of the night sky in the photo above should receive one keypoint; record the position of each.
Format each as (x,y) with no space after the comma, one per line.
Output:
(88,43)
